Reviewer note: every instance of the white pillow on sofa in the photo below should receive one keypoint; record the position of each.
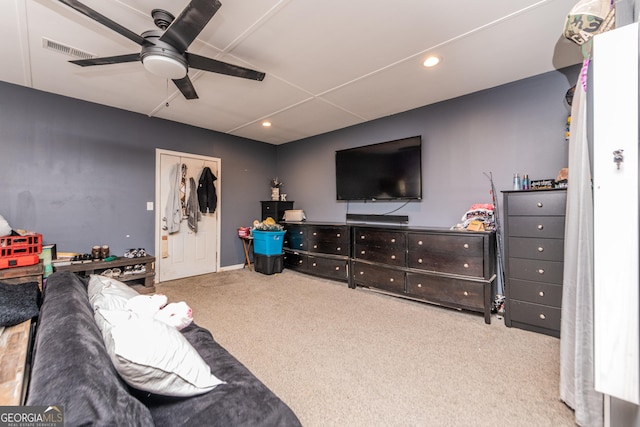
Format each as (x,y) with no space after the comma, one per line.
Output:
(152,356)
(111,294)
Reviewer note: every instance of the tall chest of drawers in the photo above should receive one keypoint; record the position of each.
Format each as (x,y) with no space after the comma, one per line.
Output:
(534,259)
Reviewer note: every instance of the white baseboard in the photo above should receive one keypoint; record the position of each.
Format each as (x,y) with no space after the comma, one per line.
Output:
(232,267)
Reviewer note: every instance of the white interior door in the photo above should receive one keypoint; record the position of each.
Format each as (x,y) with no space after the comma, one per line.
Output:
(616,220)
(187,251)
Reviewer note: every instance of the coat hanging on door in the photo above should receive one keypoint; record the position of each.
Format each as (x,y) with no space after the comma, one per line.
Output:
(173,211)
(193,214)
(207,197)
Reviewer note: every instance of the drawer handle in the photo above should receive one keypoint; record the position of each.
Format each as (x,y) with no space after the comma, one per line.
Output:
(362,273)
(539,204)
(315,234)
(541,271)
(362,252)
(419,285)
(393,240)
(267,207)
(419,260)
(300,232)
(338,235)
(315,246)
(420,242)
(314,264)
(466,265)
(542,316)
(466,246)
(300,262)
(338,248)
(540,249)
(362,237)
(541,293)
(300,245)
(391,280)
(393,257)
(466,293)
(540,226)
(337,268)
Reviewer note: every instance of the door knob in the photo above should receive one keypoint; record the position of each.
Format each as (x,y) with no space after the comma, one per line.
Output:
(618,157)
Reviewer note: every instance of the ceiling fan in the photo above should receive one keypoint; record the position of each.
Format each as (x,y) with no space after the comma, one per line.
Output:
(164,51)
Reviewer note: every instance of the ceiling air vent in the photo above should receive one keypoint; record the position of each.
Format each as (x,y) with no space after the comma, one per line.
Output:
(67,50)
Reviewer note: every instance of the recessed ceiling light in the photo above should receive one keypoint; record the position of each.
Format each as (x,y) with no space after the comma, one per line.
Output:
(266,124)
(432,61)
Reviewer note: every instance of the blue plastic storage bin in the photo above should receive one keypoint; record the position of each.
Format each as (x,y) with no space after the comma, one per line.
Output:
(268,242)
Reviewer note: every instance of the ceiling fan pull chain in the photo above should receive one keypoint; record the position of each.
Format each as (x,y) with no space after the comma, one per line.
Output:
(166,102)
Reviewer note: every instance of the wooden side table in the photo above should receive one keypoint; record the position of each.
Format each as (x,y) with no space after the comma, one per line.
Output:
(246,245)
(18,275)
(15,343)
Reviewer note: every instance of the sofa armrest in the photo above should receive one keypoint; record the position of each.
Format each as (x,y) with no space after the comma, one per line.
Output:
(71,367)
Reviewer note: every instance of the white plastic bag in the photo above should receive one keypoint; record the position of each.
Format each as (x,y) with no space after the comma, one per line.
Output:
(5,228)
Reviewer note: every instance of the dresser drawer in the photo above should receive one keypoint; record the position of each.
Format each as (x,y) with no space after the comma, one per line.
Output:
(378,277)
(536,226)
(539,315)
(295,261)
(295,238)
(379,238)
(324,247)
(447,245)
(443,263)
(328,267)
(392,256)
(338,235)
(536,292)
(536,270)
(446,291)
(537,203)
(535,248)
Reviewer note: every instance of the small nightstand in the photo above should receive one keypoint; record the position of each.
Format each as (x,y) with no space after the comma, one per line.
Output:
(15,346)
(17,275)
(15,341)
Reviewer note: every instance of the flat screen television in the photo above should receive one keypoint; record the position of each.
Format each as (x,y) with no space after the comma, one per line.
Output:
(385,171)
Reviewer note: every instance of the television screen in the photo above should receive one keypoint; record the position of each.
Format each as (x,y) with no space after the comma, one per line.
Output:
(385,171)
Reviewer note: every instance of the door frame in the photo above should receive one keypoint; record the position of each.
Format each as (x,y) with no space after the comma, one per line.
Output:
(158,203)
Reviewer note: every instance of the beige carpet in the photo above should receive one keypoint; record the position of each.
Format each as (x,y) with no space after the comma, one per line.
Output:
(345,357)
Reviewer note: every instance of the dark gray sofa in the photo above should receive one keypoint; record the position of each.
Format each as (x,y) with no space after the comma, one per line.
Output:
(71,368)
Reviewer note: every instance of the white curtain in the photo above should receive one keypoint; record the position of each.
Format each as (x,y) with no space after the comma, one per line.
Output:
(576,340)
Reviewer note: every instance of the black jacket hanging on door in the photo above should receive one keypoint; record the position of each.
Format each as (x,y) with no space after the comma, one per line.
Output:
(207,197)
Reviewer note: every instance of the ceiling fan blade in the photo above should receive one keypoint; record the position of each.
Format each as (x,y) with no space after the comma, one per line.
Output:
(132,57)
(215,66)
(85,10)
(186,27)
(186,87)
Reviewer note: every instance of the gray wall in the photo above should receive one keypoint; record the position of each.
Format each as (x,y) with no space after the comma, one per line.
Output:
(518,127)
(81,173)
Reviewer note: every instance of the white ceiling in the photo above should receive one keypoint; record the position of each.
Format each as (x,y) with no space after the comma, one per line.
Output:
(329,64)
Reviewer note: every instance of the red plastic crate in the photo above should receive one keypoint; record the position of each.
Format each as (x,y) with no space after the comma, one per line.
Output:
(15,246)
(19,261)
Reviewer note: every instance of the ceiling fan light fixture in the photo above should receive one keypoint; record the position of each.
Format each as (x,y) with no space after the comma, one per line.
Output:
(164,66)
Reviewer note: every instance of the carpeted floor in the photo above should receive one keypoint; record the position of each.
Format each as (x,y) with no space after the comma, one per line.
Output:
(345,357)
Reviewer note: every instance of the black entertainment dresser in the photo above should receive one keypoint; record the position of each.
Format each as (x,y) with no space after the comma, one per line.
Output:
(451,268)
